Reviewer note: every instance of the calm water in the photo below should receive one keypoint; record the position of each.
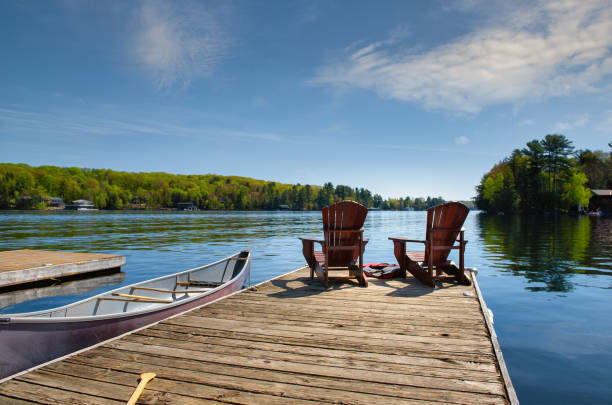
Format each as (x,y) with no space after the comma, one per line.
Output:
(548,280)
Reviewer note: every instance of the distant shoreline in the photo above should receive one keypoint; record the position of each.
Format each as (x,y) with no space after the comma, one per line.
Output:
(26,187)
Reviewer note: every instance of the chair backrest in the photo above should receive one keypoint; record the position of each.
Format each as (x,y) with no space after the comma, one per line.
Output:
(444,223)
(345,215)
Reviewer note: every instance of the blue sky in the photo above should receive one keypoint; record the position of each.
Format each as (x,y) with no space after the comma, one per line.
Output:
(403,98)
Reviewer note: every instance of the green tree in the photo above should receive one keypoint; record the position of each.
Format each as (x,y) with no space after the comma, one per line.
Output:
(575,194)
(593,164)
(557,149)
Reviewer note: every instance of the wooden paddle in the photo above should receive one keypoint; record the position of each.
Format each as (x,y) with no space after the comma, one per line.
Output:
(144,379)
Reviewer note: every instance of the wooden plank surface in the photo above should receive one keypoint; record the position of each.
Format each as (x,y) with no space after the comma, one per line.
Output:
(27,266)
(290,341)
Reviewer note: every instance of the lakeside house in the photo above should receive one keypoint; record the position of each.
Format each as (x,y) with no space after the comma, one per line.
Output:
(55,202)
(138,203)
(28,202)
(186,206)
(80,205)
(602,199)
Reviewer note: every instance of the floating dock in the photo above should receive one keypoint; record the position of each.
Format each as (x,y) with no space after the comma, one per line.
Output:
(68,287)
(30,266)
(289,341)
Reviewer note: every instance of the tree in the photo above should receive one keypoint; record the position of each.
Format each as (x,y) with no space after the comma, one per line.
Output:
(531,196)
(377,201)
(557,148)
(593,164)
(575,194)
(25,186)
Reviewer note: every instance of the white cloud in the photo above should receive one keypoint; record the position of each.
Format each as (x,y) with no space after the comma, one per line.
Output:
(462,140)
(308,12)
(526,123)
(423,148)
(335,129)
(576,122)
(83,125)
(178,43)
(547,50)
(259,102)
(606,125)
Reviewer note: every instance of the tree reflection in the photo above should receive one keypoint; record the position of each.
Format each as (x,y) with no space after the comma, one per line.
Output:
(547,249)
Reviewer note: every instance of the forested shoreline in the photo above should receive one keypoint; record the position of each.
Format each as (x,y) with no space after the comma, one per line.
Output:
(26,187)
(546,175)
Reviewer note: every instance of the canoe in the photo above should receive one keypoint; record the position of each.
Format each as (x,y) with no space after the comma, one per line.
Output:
(30,339)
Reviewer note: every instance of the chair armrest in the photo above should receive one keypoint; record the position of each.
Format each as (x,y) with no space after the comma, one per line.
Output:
(397,239)
(322,242)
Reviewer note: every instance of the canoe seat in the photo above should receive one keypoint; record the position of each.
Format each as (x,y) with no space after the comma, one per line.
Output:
(163,290)
(142,297)
(198,283)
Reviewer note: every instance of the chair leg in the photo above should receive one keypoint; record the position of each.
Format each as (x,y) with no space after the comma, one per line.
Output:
(419,273)
(456,272)
(362,278)
(308,251)
(360,274)
(461,258)
(326,274)
(399,249)
(319,272)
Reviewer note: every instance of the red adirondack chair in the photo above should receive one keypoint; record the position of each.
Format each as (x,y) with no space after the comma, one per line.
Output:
(444,224)
(343,246)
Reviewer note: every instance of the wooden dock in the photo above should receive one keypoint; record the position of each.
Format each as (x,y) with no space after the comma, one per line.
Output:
(288,341)
(29,266)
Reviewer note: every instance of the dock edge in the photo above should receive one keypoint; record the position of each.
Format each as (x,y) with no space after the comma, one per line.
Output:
(512,397)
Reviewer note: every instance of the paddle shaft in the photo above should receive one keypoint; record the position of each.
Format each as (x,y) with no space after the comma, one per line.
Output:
(144,379)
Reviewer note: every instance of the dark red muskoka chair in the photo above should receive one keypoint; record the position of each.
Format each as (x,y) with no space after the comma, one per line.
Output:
(343,244)
(444,224)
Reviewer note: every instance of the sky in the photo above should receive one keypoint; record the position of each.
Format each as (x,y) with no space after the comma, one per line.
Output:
(404,98)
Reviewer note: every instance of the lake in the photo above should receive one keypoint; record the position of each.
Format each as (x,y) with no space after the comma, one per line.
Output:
(547,279)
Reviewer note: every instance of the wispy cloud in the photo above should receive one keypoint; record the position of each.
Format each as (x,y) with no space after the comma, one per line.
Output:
(606,125)
(335,129)
(83,125)
(576,122)
(178,43)
(308,12)
(259,102)
(423,148)
(544,50)
(462,140)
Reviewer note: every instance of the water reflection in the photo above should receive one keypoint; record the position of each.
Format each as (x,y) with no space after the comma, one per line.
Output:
(53,289)
(147,230)
(159,243)
(547,250)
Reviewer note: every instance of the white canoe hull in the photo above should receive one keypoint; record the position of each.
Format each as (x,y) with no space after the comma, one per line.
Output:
(27,340)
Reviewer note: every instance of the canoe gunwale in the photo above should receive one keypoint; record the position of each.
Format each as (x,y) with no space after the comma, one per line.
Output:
(34,317)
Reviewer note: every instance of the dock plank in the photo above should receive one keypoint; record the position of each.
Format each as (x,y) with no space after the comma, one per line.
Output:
(289,341)
(29,266)
(368,359)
